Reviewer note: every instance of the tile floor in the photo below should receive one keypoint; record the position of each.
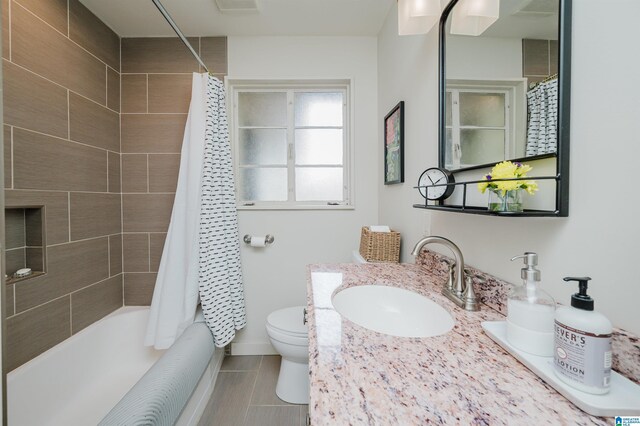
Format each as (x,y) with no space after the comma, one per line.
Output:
(245,394)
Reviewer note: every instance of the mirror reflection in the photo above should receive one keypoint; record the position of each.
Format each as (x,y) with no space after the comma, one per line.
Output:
(501,96)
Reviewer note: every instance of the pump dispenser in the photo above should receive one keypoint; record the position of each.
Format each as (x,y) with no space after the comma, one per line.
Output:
(531,312)
(582,356)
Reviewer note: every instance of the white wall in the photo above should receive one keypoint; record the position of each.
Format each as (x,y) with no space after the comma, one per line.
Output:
(600,237)
(275,277)
(483,58)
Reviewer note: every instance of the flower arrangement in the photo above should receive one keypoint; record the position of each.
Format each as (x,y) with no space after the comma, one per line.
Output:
(508,170)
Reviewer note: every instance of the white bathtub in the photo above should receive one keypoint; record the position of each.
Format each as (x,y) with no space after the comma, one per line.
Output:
(78,381)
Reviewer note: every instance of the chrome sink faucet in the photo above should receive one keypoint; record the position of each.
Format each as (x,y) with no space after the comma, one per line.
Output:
(460,291)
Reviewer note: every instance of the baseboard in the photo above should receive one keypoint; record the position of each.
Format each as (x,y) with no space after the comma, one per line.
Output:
(252,349)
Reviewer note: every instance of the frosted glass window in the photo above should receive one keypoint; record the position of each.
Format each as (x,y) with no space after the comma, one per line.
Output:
(263,184)
(448,152)
(319,183)
(318,109)
(448,109)
(319,146)
(263,146)
(480,146)
(482,109)
(262,109)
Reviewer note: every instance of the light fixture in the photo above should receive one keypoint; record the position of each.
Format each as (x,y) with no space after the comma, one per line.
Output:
(473,17)
(417,16)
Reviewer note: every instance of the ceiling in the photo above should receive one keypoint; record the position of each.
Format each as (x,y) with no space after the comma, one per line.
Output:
(140,18)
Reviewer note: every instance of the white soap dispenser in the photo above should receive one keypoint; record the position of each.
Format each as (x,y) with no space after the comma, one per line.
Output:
(582,355)
(531,312)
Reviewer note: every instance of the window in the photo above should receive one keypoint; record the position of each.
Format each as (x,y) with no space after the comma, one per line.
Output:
(479,124)
(291,144)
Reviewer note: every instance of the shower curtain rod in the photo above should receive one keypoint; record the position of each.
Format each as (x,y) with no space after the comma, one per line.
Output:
(180,34)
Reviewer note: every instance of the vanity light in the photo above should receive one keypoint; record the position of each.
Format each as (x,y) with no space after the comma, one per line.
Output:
(418,16)
(473,17)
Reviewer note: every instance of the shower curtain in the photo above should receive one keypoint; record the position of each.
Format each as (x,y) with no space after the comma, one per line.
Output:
(542,103)
(201,257)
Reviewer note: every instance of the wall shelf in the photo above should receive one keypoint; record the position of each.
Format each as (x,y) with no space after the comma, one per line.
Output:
(464,208)
(485,212)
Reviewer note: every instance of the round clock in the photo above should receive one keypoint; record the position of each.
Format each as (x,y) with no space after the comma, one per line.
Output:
(436,176)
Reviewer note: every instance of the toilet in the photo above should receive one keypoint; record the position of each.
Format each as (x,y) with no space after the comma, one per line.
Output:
(288,333)
(289,336)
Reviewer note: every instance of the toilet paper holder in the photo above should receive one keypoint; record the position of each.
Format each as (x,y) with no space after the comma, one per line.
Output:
(269,239)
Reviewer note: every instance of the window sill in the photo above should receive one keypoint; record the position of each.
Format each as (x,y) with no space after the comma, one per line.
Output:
(294,207)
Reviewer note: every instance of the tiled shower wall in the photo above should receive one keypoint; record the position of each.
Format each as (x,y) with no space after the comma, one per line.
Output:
(156,91)
(61,84)
(539,59)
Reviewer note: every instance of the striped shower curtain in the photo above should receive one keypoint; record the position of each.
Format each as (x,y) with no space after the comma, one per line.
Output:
(542,105)
(220,276)
(201,255)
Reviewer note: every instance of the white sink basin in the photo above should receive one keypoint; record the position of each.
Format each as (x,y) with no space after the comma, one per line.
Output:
(393,311)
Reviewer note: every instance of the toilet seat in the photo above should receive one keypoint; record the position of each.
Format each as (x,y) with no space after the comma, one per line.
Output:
(289,322)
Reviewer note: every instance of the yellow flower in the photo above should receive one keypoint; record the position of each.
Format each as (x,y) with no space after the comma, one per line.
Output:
(508,170)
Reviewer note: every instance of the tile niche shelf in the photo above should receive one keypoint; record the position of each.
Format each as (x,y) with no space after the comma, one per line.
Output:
(25,241)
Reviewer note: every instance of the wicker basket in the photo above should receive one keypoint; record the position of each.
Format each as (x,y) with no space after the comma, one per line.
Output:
(380,246)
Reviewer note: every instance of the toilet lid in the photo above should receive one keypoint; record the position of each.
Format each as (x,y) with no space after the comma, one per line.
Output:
(288,320)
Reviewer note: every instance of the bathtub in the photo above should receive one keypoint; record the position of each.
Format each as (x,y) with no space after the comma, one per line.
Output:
(80,380)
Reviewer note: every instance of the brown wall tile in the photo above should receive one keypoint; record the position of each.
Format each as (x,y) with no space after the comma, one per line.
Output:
(153,133)
(35,258)
(115,254)
(33,218)
(157,55)
(37,47)
(214,54)
(169,93)
(93,124)
(33,102)
(135,252)
(6,42)
(156,245)
(138,288)
(53,12)
(92,34)
(163,172)
(95,302)
(134,93)
(15,259)
(70,267)
(553,57)
(134,173)
(43,162)
(7,156)
(535,57)
(37,330)
(15,232)
(8,301)
(94,215)
(113,89)
(146,212)
(114,172)
(56,210)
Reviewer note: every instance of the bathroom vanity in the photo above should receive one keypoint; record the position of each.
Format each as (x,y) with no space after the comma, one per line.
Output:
(359,376)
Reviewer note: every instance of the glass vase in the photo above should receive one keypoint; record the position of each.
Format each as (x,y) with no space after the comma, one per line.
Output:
(510,202)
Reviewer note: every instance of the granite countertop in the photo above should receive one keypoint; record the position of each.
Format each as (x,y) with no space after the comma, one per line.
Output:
(361,377)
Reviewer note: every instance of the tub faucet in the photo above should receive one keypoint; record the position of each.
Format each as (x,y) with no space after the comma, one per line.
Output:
(461,292)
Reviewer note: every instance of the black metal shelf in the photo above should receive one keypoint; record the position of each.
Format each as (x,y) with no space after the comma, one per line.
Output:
(485,212)
(464,208)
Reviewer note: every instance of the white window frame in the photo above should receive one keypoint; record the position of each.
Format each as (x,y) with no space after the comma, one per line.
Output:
(511,91)
(236,86)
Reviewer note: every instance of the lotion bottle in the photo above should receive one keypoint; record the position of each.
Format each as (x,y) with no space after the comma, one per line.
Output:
(530,312)
(582,356)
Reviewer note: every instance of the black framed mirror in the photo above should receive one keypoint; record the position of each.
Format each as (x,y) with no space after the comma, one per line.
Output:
(504,93)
